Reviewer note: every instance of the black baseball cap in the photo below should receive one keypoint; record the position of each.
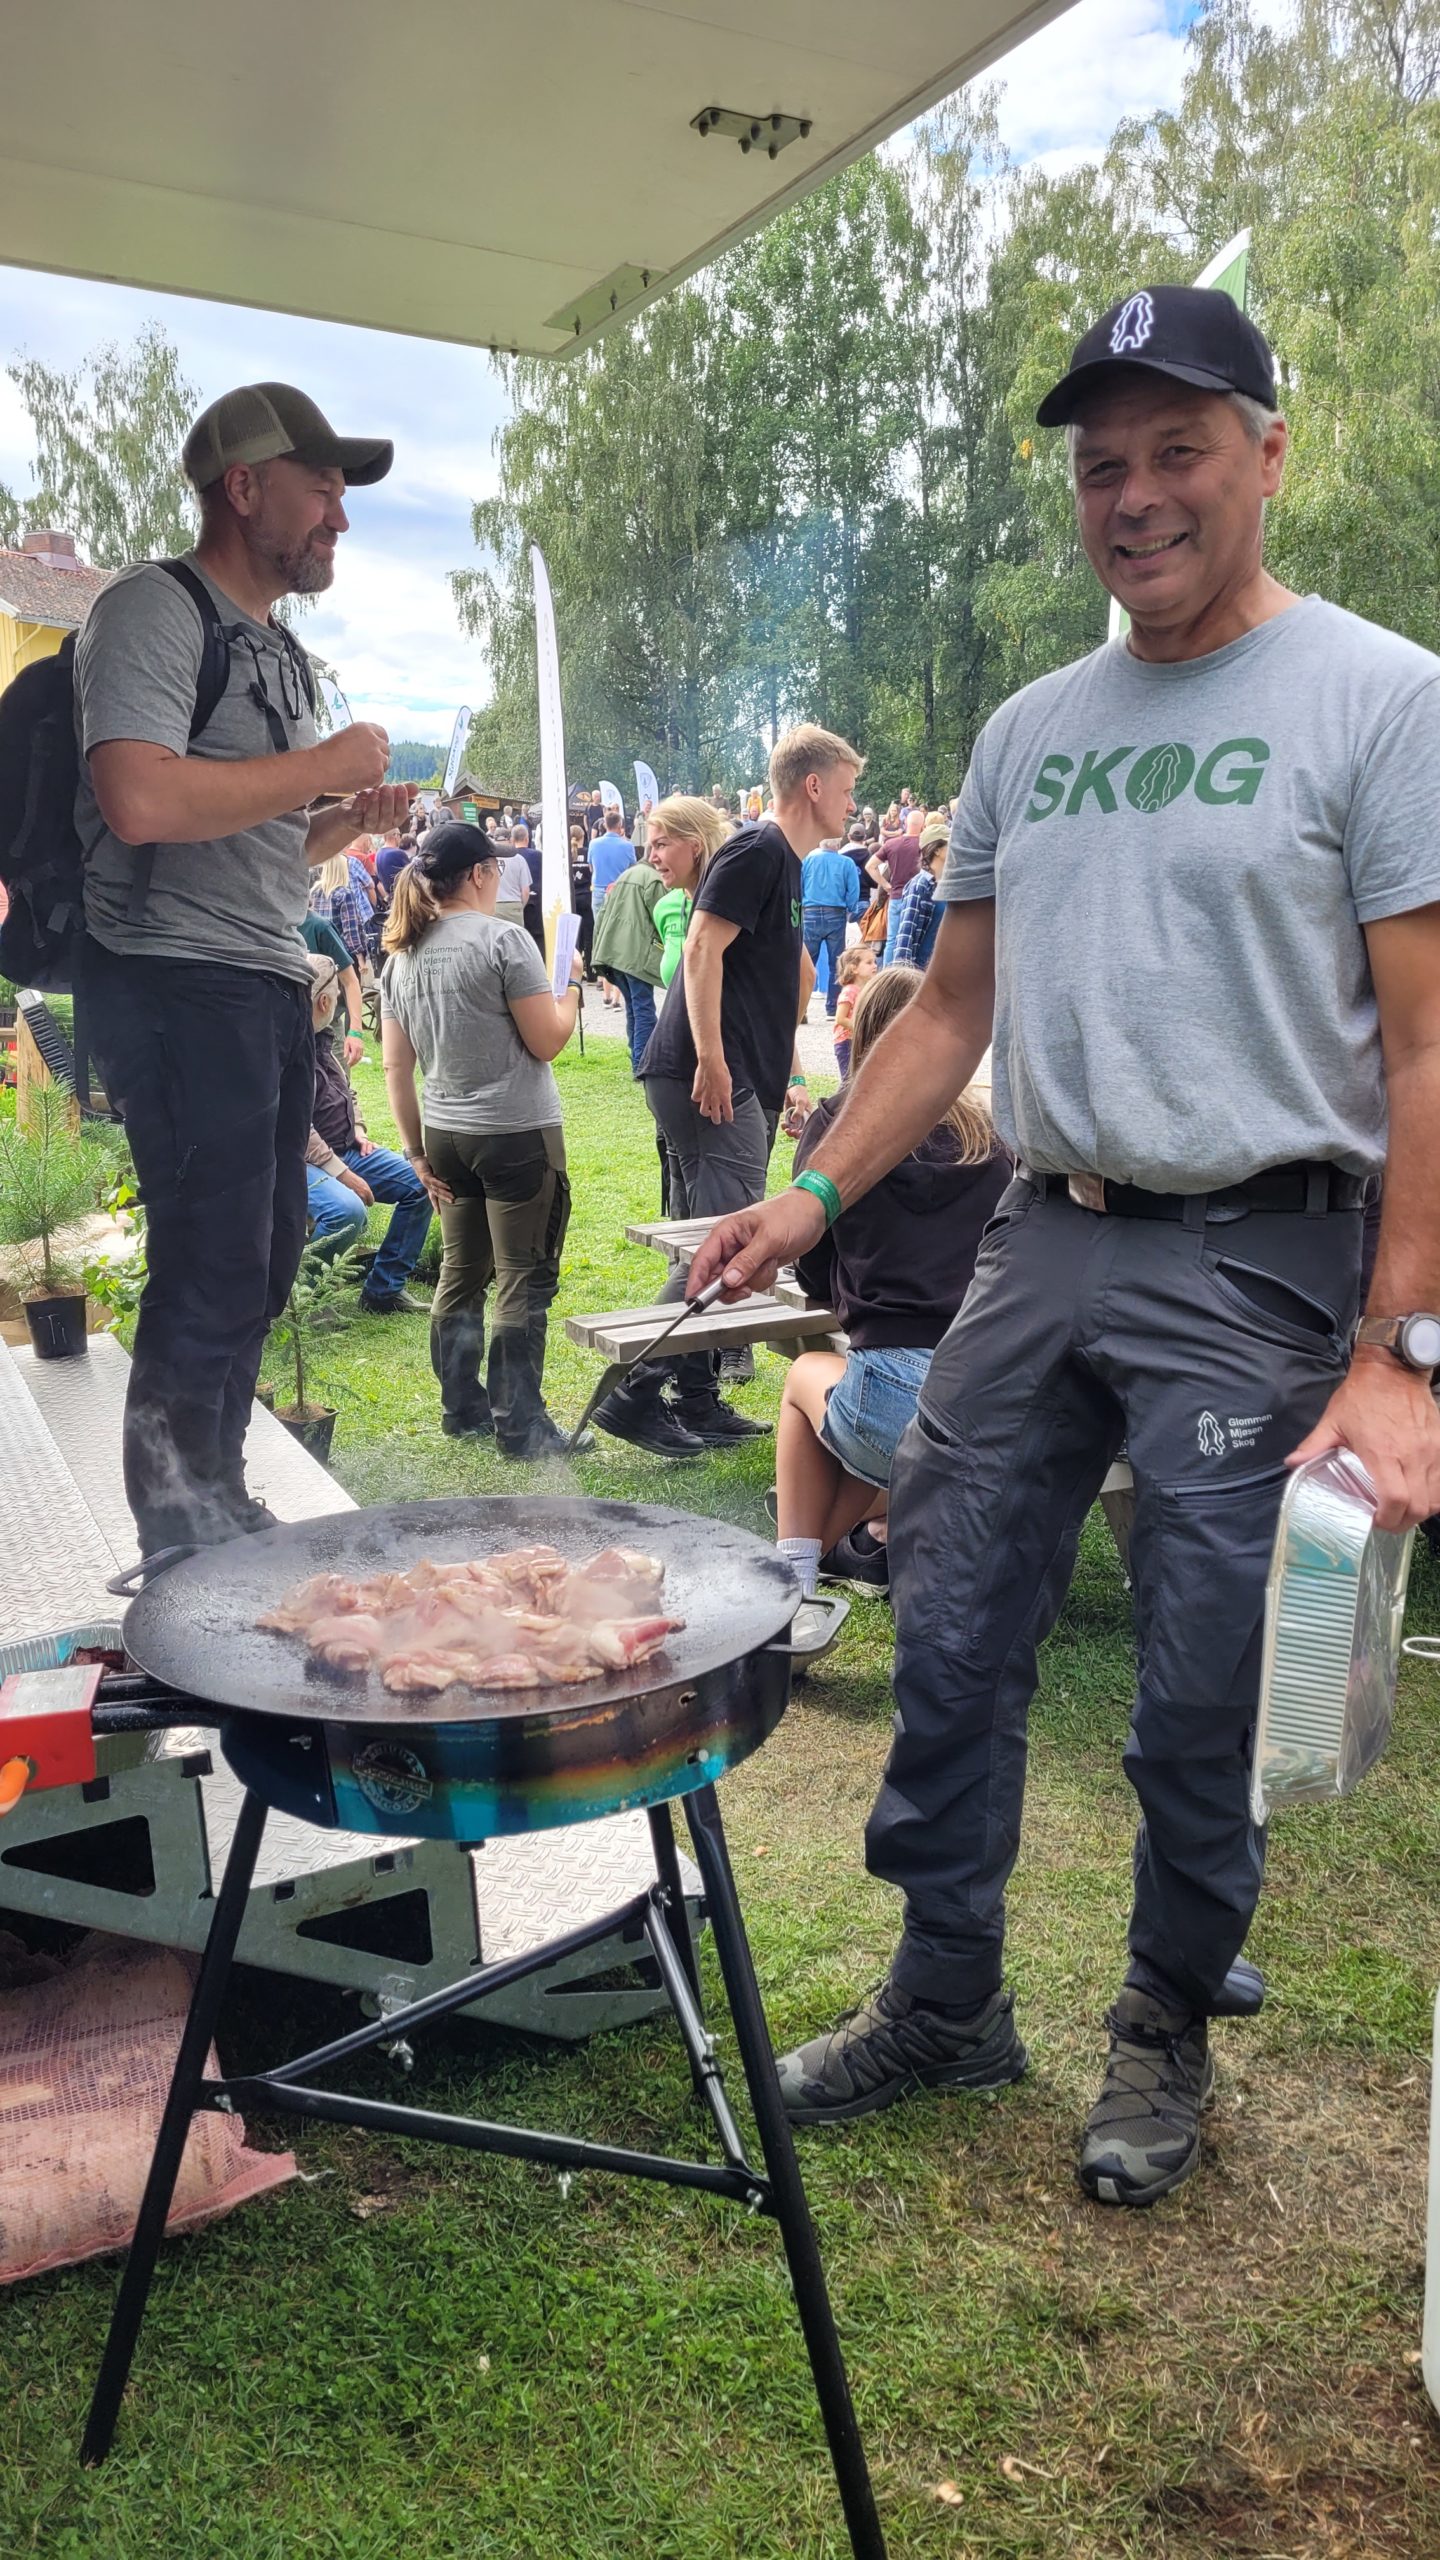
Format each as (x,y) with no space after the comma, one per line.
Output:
(1188,331)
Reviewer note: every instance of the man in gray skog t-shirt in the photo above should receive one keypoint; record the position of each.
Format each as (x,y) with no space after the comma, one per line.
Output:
(198,852)
(1194,882)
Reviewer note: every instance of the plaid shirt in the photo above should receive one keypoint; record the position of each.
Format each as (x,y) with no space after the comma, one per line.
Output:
(348,909)
(919,922)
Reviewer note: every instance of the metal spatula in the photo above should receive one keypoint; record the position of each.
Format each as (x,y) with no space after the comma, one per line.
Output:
(608,1381)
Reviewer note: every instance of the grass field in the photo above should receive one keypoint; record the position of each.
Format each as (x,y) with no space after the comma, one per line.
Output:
(413,2356)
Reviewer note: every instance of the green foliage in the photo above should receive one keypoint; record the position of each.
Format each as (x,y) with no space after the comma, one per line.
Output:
(108,440)
(117,1281)
(415,760)
(49,1178)
(808,484)
(318,1308)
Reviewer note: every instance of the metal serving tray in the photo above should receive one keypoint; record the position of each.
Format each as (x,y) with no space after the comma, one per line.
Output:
(1334,1605)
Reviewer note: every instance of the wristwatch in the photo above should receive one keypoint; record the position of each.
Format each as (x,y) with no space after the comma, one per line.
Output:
(1413,1340)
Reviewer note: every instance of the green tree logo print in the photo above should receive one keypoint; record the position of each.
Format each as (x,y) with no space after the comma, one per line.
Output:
(1158,777)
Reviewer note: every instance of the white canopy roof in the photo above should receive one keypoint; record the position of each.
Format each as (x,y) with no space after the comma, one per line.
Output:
(509,173)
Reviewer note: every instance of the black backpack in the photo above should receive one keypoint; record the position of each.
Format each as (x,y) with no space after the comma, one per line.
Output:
(42,861)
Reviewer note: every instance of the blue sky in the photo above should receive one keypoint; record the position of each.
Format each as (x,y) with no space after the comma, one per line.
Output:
(389,622)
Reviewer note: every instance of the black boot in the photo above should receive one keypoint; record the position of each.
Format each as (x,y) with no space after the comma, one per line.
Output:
(718,1425)
(646,1421)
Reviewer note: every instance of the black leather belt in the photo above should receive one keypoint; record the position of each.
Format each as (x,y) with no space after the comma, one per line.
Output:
(1309,1190)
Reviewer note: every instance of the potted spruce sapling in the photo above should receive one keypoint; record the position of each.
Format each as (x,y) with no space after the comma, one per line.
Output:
(50,1181)
(314,1312)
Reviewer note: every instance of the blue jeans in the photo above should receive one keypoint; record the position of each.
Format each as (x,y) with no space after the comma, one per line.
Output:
(639,1013)
(340,1215)
(824,930)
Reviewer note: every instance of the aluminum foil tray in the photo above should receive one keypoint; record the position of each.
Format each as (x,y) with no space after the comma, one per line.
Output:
(51,1653)
(1334,1605)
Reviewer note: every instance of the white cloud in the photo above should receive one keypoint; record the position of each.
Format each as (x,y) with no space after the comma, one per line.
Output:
(389,622)
(1068,87)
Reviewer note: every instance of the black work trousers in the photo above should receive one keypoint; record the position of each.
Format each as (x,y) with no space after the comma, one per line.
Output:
(1208,1350)
(506,1224)
(212,1070)
(715,1166)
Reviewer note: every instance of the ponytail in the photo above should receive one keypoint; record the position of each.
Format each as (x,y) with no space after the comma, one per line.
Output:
(414,907)
(418,899)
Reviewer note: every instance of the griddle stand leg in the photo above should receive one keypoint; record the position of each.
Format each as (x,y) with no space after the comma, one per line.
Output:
(180,2110)
(667,1869)
(791,2205)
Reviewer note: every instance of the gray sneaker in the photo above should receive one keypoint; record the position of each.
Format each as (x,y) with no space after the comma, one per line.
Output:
(1142,2136)
(891,2045)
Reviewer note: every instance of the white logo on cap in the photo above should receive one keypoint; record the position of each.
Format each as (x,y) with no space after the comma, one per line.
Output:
(1133,326)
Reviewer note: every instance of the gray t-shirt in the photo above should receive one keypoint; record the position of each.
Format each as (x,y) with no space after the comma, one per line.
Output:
(234,899)
(450,995)
(1182,858)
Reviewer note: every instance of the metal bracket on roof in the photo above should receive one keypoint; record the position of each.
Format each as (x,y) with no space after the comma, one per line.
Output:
(605,300)
(769,134)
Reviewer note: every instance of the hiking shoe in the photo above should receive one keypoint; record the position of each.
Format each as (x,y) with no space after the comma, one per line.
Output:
(860,1562)
(736,1367)
(402,1304)
(716,1423)
(460,1426)
(1142,2136)
(892,2044)
(647,1423)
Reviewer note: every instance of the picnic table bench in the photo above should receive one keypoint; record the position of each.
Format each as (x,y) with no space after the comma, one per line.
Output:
(783,1316)
(765,1317)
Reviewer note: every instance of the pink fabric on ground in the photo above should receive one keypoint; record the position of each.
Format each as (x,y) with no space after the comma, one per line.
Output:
(85,2063)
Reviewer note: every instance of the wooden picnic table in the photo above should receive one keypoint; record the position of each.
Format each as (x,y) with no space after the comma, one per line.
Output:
(676,1238)
(625,1331)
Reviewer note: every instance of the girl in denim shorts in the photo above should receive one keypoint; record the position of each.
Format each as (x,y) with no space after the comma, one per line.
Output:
(895,1267)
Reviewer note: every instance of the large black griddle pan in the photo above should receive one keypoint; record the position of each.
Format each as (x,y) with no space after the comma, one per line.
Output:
(193,1624)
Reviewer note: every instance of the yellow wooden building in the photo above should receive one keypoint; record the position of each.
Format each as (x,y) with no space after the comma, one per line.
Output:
(45,591)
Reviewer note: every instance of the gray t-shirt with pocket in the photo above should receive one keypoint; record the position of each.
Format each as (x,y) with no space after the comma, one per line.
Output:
(1182,858)
(450,994)
(233,899)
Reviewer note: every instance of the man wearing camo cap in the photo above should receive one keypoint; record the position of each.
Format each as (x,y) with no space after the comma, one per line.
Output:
(200,764)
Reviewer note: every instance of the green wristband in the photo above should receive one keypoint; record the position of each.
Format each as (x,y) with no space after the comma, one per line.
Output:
(821,1188)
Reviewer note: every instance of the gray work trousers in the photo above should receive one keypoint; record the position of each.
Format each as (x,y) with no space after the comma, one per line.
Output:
(1208,1351)
(715,1166)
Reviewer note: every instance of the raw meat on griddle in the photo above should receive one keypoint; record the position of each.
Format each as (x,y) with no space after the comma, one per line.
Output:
(526,1619)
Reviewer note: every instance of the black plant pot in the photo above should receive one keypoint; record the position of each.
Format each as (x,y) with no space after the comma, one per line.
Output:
(57,1325)
(314,1429)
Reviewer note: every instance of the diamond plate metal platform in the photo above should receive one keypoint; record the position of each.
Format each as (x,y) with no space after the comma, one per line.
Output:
(138,1850)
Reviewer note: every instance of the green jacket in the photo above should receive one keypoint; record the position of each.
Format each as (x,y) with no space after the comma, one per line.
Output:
(625,934)
(672,918)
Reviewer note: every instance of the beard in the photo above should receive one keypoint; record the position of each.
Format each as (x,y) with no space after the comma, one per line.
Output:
(305,570)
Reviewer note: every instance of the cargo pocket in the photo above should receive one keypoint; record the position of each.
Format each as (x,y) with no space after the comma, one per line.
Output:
(1208,1598)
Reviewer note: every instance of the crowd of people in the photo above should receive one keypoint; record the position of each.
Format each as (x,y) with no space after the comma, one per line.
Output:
(1209,966)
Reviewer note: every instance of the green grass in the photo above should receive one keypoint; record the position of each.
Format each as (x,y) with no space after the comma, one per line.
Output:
(423,2355)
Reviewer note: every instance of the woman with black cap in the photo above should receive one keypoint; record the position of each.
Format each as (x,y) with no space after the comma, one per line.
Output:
(467,1000)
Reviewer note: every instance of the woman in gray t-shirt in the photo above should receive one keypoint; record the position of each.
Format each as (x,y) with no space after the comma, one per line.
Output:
(465,998)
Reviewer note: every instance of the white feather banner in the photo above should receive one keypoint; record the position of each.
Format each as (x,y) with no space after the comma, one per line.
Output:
(555,897)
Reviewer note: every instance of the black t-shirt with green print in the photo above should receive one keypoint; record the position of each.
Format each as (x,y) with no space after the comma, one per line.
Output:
(753,882)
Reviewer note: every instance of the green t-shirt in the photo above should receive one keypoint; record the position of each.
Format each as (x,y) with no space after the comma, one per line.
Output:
(319,935)
(671,916)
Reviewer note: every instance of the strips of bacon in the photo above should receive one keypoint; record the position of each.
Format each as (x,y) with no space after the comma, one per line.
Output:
(523,1620)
